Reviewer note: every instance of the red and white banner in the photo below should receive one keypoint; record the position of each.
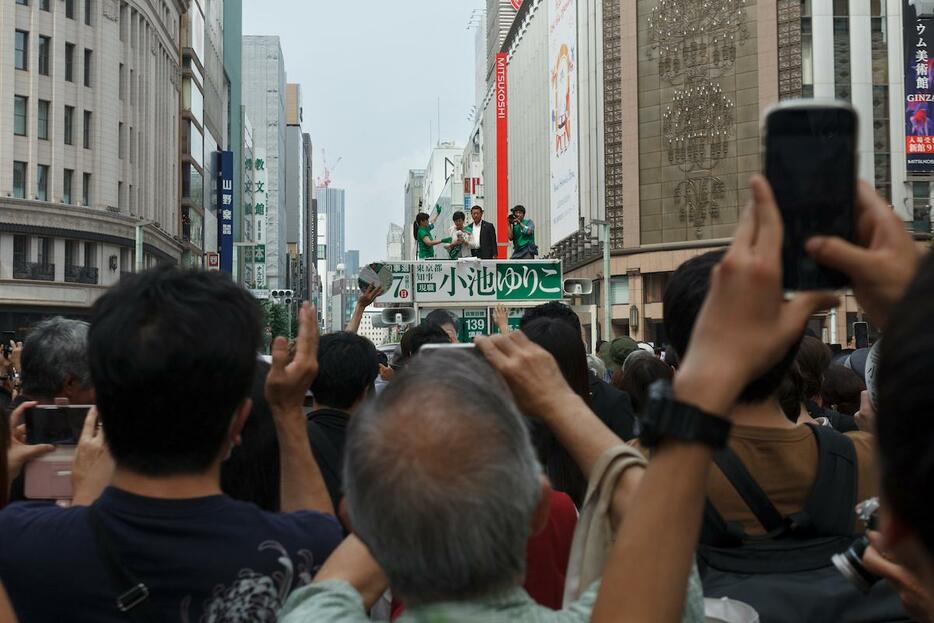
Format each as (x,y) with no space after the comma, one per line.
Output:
(516,4)
(214,261)
(502,155)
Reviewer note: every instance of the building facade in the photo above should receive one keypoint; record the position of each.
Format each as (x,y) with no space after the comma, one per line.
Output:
(294,191)
(395,243)
(414,191)
(309,247)
(90,149)
(264,97)
(331,204)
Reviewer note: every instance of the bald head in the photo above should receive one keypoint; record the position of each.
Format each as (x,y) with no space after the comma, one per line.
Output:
(441,480)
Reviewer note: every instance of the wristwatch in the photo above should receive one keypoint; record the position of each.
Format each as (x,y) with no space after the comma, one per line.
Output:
(667,417)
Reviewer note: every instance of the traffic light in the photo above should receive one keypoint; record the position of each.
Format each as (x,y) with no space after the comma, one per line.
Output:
(285,296)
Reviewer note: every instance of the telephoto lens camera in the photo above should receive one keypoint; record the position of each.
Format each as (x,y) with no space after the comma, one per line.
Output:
(850,562)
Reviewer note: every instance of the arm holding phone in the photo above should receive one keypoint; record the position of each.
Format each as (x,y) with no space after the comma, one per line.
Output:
(363,301)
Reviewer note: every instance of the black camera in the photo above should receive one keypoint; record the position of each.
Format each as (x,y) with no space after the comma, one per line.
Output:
(850,562)
(511,219)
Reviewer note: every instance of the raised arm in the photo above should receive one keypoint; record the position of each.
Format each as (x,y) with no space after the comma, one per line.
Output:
(363,301)
(300,482)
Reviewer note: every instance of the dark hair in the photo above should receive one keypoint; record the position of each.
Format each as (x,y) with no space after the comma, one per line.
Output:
(421,216)
(457,215)
(638,375)
(791,393)
(841,389)
(558,338)
(440,318)
(405,349)
(518,207)
(172,355)
(552,309)
(427,334)
(813,359)
(382,358)
(904,422)
(347,367)
(683,299)
(251,473)
(476,208)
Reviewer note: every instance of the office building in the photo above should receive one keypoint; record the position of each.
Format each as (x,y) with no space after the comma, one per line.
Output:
(264,97)
(395,243)
(414,191)
(309,246)
(352,263)
(294,190)
(331,204)
(89,120)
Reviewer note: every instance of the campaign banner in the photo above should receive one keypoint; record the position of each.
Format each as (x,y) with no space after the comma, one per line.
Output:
(401,289)
(563,129)
(502,155)
(225,173)
(488,280)
(918,27)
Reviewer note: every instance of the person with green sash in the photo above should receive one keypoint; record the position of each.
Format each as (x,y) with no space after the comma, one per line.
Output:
(422,229)
(460,237)
(522,234)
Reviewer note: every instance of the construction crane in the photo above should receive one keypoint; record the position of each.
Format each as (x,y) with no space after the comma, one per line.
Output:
(325,182)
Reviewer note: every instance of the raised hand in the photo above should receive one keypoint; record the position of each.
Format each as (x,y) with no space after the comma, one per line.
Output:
(93,466)
(19,452)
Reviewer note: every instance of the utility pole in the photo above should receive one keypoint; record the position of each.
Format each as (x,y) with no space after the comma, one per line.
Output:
(604,226)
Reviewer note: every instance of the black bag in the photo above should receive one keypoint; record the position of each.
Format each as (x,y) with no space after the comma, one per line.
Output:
(786,574)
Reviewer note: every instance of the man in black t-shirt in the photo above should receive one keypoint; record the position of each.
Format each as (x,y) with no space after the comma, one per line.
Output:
(172,355)
(349,367)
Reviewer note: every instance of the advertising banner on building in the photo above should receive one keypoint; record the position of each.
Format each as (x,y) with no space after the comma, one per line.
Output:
(502,155)
(475,281)
(225,166)
(260,198)
(918,16)
(563,126)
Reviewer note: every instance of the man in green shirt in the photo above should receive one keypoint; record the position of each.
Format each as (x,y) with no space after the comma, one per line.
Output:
(522,234)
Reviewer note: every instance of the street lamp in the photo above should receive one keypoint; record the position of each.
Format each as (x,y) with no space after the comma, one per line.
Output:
(605,235)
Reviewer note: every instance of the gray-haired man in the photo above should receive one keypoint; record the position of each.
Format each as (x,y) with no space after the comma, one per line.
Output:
(444,494)
(55,362)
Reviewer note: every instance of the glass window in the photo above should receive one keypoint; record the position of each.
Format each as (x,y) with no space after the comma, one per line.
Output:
(192,184)
(67,178)
(132,88)
(20,248)
(70,9)
(20,114)
(19,179)
(42,130)
(45,54)
(120,195)
(87,67)
(69,125)
(132,146)
(841,7)
(653,286)
(90,254)
(42,182)
(69,62)
(86,190)
(841,56)
(88,11)
(619,290)
(71,252)
(45,251)
(23,2)
(86,138)
(121,83)
(193,100)
(22,49)
(120,148)
(45,5)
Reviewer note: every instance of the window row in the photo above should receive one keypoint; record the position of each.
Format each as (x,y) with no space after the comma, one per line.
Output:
(20,175)
(44,64)
(46,5)
(21,121)
(34,258)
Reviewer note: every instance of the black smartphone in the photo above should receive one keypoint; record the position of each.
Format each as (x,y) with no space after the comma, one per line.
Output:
(5,339)
(55,424)
(810,162)
(861,334)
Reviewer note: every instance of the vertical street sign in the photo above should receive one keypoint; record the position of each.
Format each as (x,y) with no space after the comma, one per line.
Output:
(225,210)
(502,154)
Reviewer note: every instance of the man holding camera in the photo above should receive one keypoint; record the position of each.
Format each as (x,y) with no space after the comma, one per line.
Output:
(522,234)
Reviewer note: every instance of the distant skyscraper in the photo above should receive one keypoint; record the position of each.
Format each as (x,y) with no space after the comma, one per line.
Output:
(331,203)
(351,263)
(414,189)
(264,98)
(395,243)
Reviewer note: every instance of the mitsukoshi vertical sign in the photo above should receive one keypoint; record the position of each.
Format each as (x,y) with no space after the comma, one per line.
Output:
(502,153)
(563,126)
(918,16)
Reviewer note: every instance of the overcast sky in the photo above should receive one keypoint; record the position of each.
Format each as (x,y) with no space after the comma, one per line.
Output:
(371,73)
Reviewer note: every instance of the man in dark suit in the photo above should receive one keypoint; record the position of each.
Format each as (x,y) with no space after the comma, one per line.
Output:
(483,238)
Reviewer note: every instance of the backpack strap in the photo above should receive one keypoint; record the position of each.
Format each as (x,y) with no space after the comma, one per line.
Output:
(829,507)
(748,489)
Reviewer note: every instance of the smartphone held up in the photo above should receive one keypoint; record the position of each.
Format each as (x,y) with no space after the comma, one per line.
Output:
(810,163)
(49,477)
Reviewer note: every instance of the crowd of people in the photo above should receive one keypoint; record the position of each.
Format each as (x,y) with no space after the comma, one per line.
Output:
(476,239)
(522,479)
